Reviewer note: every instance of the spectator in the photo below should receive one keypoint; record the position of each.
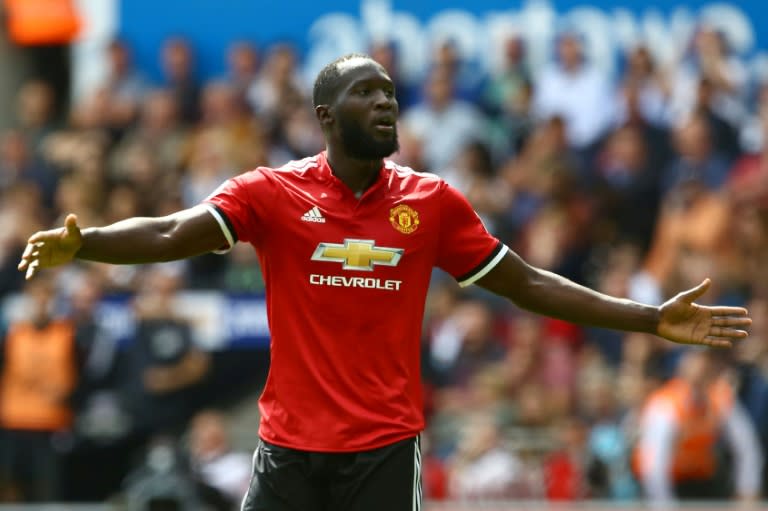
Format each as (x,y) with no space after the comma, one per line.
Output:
(656,137)
(243,61)
(473,174)
(571,474)
(676,457)
(649,88)
(40,366)
(625,183)
(119,96)
(210,163)
(467,79)
(610,475)
(36,113)
(482,468)
(725,137)
(507,86)
(223,472)
(18,164)
(464,344)
(752,379)
(243,274)
(546,170)
(442,122)
(574,90)
(709,58)
(177,59)
(161,133)
(298,135)
(244,135)
(278,87)
(162,481)
(746,180)
(752,130)
(697,157)
(102,426)
(165,367)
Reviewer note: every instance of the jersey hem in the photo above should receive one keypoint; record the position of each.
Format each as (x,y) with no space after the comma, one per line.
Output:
(368,447)
(482,269)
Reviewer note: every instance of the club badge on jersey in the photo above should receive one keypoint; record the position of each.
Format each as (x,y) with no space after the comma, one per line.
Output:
(404,218)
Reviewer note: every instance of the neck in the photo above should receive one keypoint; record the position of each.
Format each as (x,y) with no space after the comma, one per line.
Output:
(357,174)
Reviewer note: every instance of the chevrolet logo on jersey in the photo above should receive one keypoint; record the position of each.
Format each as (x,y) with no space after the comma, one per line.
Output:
(357,254)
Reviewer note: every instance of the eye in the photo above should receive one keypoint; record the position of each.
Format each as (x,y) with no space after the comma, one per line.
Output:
(363,91)
(390,93)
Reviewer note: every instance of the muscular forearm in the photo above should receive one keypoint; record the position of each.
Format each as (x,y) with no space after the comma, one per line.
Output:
(552,295)
(549,294)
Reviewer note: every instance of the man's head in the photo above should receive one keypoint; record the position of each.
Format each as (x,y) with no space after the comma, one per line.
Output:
(698,367)
(354,100)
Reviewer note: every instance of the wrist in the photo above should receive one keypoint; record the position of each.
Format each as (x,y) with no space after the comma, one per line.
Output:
(85,234)
(654,320)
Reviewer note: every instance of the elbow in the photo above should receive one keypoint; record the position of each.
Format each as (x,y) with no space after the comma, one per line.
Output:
(166,251)
(166,241)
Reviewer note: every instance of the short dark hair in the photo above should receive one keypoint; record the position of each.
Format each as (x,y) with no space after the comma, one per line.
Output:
(327,80)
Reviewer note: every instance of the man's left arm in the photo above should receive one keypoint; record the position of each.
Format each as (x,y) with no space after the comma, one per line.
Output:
(678,319)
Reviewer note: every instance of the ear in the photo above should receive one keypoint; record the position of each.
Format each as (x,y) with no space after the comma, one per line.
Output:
(324,116)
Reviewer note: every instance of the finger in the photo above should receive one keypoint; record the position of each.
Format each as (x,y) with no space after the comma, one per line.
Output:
(40,236)
(32,269)
(28,250)
(693,293)
(732,333)
(71,224)
(727,311)
(717,342)
(731,321)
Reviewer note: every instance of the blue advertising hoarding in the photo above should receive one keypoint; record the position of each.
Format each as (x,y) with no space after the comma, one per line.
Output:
(324,30)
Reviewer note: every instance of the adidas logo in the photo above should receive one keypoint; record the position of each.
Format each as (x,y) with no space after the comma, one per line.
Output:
(313,215)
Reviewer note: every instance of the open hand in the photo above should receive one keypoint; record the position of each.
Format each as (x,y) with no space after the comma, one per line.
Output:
(51,248)
(685,322)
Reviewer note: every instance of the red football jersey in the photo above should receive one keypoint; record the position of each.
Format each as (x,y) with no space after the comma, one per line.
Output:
(346,280)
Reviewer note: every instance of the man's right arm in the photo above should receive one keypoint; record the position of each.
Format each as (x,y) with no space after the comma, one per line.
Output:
(137,240)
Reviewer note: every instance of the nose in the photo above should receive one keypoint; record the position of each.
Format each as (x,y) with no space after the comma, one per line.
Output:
(384,102)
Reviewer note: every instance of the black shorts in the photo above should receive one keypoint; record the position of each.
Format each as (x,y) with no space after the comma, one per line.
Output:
(384,479)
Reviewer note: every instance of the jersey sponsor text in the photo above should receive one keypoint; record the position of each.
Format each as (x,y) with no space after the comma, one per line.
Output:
(364,282)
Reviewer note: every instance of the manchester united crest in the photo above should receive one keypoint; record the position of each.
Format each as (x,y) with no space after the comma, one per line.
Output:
(404,218)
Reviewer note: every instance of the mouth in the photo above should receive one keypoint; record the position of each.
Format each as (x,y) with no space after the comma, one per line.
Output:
(384,124)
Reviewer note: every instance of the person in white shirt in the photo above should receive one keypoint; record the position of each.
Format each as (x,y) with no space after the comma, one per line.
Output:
(576,91)
(444,124)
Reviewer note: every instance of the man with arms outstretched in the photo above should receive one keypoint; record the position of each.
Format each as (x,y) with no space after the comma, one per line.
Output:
(347,241)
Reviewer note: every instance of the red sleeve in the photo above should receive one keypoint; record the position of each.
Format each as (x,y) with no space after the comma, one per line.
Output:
(465,248)
(239,205)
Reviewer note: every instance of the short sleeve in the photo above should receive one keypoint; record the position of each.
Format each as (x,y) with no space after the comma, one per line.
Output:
(238,205)
(465,248)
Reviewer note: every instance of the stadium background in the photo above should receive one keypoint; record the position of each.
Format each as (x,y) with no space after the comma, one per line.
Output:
(524,389)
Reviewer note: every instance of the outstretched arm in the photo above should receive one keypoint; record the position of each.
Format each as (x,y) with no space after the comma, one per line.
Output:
(679,319)
(137,240)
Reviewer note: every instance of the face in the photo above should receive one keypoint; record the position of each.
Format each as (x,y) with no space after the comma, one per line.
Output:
(570,51)
(365,111)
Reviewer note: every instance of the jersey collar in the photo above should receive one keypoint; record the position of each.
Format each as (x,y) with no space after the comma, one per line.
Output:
(327,175)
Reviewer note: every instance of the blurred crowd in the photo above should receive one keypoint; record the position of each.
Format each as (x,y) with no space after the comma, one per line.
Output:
(639,185)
